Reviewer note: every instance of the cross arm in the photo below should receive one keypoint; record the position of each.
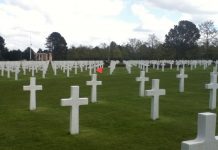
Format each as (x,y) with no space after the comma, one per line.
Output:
(192,145)
(211,86)
(83,101)
(66,102)
(149,92)
(26,88)
(39,87)
(88,82)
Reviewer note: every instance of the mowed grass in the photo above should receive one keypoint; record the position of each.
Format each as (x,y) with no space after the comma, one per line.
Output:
(120,120)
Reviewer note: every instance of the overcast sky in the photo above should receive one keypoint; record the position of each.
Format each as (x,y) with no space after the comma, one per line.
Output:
(91,22)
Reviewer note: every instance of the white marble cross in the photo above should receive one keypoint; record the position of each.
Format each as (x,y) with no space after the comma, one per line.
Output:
(162,66)
(33,73)
(2,70)
(8,71)
(153,65)
(177,66)
(90,70)
(74,101)
(171,65)
(215,69)
(54,68)
(75,67)
(112,67)
(94,84)
(128,67)
(157,66)
(32,88)
(146,69)
(205,65)
(155,92)
(142,80)
(213,86)
(17,70)
(191,66)
(68,70)
(206,139)
(182,77)
(44,69)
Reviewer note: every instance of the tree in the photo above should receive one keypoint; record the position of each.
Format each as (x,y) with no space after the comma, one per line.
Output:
(208,33)
(112,47)
(182,38)
(15,55)
(26,54)
(57,45)
(40,50)
(153,41)
(135,44)
(2,47)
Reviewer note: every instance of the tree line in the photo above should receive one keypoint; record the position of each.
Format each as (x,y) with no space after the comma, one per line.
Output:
(183,41)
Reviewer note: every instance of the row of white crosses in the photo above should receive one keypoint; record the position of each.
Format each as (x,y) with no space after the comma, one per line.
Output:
(74,101)
(35,66)
(142,64)
(68,66)
(10,66)
(15,67)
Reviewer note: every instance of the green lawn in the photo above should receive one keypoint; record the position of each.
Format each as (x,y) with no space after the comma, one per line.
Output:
(119,121)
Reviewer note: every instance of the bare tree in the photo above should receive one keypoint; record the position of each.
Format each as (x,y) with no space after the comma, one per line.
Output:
(135,44)
(208,33)
(153,41)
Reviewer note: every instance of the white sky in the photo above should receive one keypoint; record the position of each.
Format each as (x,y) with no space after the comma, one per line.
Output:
(92,22)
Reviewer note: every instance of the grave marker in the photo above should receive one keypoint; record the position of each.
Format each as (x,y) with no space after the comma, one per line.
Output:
(182,77)
(94,84)
(142,80)
(206,139)
(213,86)
(155,92)
(74,101)
(32,88)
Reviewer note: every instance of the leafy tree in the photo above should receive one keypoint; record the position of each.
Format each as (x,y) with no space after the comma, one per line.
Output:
(57,44)
(2,46)
(26,54)
(40,50)
(182,37)
(112,47)
(5,53)
(208,33)
(14,55)
(116,54)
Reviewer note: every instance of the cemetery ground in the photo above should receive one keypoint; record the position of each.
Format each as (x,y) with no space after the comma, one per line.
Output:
(119,120)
